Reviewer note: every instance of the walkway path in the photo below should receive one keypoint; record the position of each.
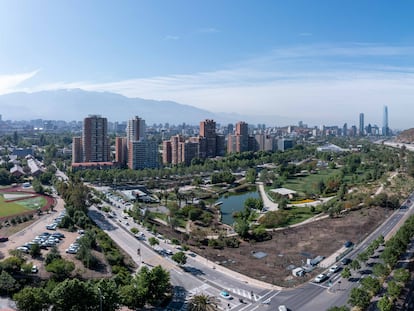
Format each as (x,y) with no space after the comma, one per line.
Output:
(267,203)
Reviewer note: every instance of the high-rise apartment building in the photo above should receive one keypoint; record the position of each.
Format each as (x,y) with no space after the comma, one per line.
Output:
(76,150)
(92,149)
(135,129)
(361,124)
(142,154)
(121,151)
(208,131)
(95,142)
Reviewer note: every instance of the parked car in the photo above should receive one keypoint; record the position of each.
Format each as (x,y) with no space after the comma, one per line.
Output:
(23,249)
(34,269)
(348,244)
(282,308)
(71,250)
(320,278)
(346,261)
(4,239)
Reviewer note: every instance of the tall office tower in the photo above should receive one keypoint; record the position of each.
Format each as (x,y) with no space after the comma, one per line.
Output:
(121,151)
(385,128)
(76,149)
(361,124)
(208,131)
(135,129)
(345,130)
(95,142)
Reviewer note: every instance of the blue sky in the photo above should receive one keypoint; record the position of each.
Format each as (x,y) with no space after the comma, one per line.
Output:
(322,62)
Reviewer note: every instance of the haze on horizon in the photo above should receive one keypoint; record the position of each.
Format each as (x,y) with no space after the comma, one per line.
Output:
(322,62)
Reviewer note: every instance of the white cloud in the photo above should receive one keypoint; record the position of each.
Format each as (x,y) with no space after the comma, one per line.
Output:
(9,82)
(208,30)
(332,93)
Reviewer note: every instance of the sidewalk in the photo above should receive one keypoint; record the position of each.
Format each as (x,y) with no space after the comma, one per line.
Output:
(267,203)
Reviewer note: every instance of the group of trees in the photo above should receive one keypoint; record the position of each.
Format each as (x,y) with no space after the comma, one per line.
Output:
(146,287)
(371,285)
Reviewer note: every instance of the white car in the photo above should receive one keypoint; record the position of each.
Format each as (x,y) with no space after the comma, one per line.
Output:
(34,269)
(333,269)
(23,249)
(282,308)
(320,278)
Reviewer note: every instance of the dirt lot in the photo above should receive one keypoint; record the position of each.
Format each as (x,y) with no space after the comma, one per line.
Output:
(293,246)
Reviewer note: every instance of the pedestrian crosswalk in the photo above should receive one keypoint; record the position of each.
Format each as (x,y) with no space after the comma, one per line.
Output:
(245,293)
(199,289)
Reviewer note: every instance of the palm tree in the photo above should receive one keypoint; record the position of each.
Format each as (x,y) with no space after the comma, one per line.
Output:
(203,302)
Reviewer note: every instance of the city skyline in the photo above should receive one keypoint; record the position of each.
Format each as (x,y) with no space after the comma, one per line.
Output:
(311,63)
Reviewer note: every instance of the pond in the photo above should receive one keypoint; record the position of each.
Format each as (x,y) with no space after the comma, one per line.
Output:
(234,203)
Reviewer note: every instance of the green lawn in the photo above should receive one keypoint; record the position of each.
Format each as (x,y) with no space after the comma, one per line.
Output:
(33,203)
(12,208)
(306,184)
(299,214)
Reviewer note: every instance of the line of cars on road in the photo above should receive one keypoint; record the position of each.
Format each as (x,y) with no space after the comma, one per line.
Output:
(56,221)
(332,270)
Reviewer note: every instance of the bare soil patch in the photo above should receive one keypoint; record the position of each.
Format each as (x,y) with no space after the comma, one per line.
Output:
(292,246)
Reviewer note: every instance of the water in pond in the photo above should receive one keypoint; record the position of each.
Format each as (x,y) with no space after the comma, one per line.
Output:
(234,203)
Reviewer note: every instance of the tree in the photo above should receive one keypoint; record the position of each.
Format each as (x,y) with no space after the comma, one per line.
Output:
(363,257)
(384,304)
(73,295)
(251,175)
(179,258)
(153,241)
(203,302)
(355,265)
(108,292)
(359,298)
(32,299)
(371,285)
(35,250)
(60,268)
(380,271)
(242,227)
(401,275)
(147,286)
(52,255)
(12,264)
(7,283)
(346,273)
(394,289)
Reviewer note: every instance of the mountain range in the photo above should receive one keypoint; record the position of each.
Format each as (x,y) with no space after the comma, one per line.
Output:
(75,104)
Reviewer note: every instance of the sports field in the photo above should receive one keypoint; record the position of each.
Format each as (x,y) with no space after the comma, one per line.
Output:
(19,203)
(10,208)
